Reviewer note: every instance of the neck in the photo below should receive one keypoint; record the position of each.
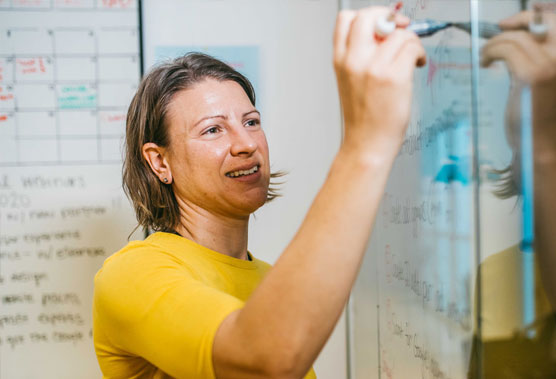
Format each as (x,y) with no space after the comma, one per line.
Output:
(226,235)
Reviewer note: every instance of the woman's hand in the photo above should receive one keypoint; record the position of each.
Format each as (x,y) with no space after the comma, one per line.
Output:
(375,78)
(531,62)
(529,59)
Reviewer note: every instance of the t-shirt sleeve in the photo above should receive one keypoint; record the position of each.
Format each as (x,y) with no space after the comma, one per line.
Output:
(150,305)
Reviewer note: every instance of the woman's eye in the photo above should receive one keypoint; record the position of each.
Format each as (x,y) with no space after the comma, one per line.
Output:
(211,130)
(253,122)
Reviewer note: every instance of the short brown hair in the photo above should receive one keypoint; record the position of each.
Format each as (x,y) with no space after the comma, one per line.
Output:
(508,182)
(154,202)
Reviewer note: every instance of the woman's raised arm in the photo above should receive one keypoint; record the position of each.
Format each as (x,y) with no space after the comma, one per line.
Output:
(288,319)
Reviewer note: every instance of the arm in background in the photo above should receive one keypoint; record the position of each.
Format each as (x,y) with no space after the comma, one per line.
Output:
(533,63)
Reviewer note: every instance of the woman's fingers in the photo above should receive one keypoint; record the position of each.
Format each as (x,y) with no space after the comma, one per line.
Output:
(410,53)
(517,21)
(521,20)
(402,21)
(526,58)
(354,37)
(510,46)
(361,41)
(517,61)
(391,48)
(343,25)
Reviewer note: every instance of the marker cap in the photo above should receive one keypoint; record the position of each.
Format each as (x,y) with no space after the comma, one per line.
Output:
(538,30)
(384,27)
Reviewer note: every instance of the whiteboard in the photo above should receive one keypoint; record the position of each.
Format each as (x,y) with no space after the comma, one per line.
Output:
(413,308)
(68,70)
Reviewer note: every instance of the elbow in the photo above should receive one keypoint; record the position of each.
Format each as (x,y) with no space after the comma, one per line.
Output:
(282,373)
(285,366)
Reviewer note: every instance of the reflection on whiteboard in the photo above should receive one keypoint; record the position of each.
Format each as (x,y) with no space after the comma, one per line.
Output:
(425,301)
(244,59)
(423,242)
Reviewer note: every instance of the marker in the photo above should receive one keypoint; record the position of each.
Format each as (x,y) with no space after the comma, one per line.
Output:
(425,28)
(428,27)
(537,27)
(386,25)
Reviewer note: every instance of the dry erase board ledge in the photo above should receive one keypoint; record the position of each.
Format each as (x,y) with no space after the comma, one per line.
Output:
(59,163)
(63,6)
(67,11)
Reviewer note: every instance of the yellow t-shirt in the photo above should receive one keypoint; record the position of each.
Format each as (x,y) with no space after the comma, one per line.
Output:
(502,294)
(504,349)
(159,302)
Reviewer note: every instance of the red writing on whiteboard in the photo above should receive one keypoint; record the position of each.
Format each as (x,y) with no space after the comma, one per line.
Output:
(116,3)
(422,3)
(115,118)
(28,3)
(7,97)
(386,368)
(29,66)
(435,66)
(3,117)
(69,2)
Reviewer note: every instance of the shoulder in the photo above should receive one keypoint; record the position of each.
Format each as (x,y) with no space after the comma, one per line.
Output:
(262,266)
(505,262)
(139,268)
(141,257)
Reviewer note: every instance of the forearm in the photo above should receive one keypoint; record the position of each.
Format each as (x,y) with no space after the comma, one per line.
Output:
(545,215)
(544,170)
(290,316)
(288,319)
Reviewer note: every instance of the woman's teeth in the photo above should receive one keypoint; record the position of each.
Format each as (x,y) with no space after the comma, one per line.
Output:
(235,174)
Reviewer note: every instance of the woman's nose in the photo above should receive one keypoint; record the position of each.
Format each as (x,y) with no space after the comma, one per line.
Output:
(243,142)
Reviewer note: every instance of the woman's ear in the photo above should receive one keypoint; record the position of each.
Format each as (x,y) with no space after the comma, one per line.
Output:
(156,156)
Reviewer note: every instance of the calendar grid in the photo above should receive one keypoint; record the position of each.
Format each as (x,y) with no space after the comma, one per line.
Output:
(64,91)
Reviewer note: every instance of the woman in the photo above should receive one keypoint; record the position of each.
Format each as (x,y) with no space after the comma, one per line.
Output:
(505,348)
(190,301)
(532,62)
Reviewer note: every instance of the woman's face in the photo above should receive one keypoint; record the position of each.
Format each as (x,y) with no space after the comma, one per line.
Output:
(218,154)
